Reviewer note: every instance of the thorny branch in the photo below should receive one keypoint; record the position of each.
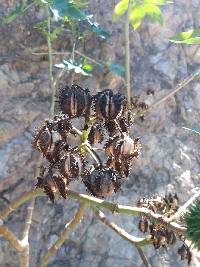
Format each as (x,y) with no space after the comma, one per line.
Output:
(61,239)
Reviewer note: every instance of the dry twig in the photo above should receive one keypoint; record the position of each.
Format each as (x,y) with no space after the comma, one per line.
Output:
(61,239)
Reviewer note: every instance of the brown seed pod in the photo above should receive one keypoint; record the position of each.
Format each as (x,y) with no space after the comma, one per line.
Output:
(109,106)
(123,167)
(96,134)
(143,225)
(74,101)
(52,183)
(52,136)
(170,237)
(123,146)
(185,253)
(102,182)
(71,165)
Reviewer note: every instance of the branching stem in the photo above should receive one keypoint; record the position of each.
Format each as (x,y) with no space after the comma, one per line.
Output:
(61,239)
(114,208)
(127,55)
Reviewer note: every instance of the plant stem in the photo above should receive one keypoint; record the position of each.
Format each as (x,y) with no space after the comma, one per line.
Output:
(136,241)
(19,246)
(50,59)
(127,56)
(120,231)
(61,239)
(143,256)
(179,86)
(113,207)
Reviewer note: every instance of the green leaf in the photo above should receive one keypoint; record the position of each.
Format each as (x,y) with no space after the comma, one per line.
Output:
(192,219)
(103,33)
(138,12)
(88,67)
(117,69)
(157,2)
(195,130)
(189,37)
(120,9)
(62,8)
(19,10)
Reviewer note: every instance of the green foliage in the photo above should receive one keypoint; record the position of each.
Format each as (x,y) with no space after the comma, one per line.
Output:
(19,10)
(189,37)
(61,8)
(195,130)
(117,69)
(140,10)
(192,221)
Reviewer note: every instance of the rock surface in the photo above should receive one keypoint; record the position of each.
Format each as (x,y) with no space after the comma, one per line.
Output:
(170,160)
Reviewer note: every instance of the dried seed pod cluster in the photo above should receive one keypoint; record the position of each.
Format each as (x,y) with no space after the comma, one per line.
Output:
(111,121)
(161,236)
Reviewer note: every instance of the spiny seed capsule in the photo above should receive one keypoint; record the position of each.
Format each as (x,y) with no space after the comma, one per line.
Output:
(74,101)
(102,182)
(96,134)
(123,167)
(185,253)
(51,137)
(52,183)
(143,225)
(71,165)
(109,106)
(171,237)
(121,146)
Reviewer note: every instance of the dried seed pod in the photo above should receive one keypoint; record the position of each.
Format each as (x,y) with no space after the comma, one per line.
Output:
(123,167)
(143,225)
(42,139)
(102,182)
(52,136)
(126,121)
(96,134)
(112,127)
(109,106)
(170,237)
(185,253)
(52,183)
(123,146)
(74,101)
(71,165)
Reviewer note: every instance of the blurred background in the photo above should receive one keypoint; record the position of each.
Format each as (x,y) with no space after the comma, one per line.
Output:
(170,160)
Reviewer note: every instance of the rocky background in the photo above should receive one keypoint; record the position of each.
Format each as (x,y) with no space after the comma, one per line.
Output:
(170,160)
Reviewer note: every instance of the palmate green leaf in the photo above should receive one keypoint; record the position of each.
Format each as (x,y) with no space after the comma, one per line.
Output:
(140,11)
(62,8)
(189,37)
(195,130)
